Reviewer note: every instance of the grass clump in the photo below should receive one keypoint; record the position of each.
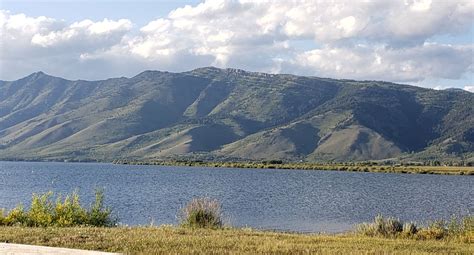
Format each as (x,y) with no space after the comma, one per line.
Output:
(202,213)
(409,229)
(462,228)
(385,227)
(456,228)
(45,211)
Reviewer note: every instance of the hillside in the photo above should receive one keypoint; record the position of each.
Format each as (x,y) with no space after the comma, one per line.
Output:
(212,113)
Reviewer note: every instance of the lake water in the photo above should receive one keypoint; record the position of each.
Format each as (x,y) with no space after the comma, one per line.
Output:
(293,200)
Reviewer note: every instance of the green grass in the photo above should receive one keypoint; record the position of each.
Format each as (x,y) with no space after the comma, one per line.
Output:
(167,239)
(352,167)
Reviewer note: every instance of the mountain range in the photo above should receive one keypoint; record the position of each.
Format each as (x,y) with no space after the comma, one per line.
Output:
(231,114)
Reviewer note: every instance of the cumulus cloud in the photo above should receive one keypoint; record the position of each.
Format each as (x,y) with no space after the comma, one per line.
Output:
(393,64)
(388,40)
(30,44)
(85,30)
(20,33)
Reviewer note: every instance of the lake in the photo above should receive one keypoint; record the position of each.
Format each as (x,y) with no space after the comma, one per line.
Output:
(290,200)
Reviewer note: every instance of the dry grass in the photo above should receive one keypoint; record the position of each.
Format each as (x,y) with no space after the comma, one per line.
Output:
(461,229)
(202,213)
(152,240)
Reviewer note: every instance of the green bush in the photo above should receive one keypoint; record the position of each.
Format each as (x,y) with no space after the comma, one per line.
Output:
(202,213)
(99,215)
(16,216)
(41,213)
(69,212)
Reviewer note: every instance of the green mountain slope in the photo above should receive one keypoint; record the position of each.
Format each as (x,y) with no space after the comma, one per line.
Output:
(231,114)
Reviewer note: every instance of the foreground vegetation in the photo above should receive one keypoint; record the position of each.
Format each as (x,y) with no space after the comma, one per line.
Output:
(460,229)
(66,223)
(202,213)
(47,211)
(168,239)
(354,167)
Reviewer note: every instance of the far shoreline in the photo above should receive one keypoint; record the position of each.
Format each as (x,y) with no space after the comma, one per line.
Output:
(369,167)
(348,166)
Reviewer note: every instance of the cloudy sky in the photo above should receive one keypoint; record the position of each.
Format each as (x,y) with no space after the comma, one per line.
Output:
(428,43)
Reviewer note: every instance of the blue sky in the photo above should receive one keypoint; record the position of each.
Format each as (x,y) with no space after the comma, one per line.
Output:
(140,12)
(420,42)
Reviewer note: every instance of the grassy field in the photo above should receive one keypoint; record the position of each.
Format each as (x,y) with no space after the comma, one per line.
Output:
(167,239)
(64,222)
(452,170)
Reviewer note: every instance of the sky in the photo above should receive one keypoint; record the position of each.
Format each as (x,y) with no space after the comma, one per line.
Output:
(428,43)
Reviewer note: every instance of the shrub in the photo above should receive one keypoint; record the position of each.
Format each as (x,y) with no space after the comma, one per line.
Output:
(41,212)
(63,213)
(202,213)
(409,229)
(458,228)
(275,161)
(435,230)
(98,215)
(366,229)
(2,217)
(388,227)
(468,223)
(70,212)
(16,216)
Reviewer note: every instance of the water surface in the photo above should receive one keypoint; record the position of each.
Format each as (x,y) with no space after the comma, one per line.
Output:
(294,200)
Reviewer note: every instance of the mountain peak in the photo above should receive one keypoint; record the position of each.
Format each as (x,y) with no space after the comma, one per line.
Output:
(36,75)
(148,73)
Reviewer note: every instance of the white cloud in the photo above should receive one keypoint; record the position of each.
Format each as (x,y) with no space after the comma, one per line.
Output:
(384,63)
(19,24)
(82,32)
(419,5)
(381,39)
(86,32)
(30,44)
(469,88)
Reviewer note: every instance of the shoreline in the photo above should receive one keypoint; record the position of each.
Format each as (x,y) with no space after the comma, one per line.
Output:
(348,167)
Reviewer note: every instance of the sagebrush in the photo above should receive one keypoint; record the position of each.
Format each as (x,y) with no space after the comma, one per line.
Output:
(457,227)
(202,213)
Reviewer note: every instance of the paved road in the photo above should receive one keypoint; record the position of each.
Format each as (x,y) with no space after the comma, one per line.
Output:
(17,249)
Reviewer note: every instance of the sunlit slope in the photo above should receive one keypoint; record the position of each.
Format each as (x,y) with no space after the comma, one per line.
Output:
(227,113)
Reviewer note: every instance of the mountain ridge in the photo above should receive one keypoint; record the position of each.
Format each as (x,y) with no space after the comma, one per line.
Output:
(212,113)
